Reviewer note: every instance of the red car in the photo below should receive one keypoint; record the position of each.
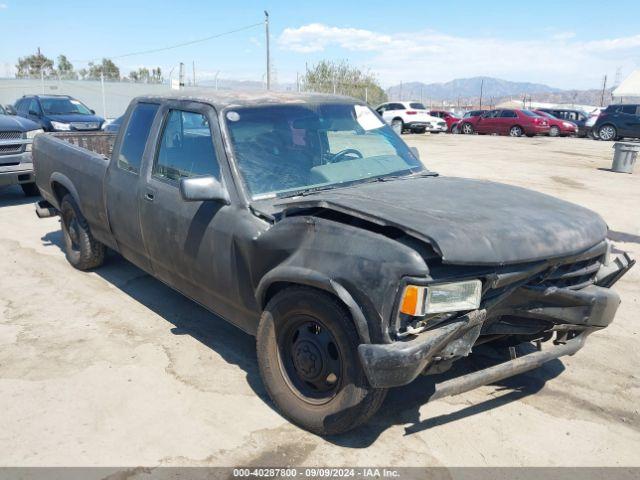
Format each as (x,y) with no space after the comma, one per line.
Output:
(451,118)
(512,122)
(557,126)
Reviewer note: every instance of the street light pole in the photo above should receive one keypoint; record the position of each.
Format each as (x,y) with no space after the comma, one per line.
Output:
(266,29)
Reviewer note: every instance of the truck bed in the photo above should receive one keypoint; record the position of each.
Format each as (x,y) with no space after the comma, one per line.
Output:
(76,163)
(97,142)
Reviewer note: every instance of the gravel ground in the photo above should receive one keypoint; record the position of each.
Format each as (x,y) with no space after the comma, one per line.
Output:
(113,368)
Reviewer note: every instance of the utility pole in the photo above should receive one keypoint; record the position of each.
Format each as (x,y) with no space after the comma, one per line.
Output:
(193,65)
(266,32)
(604,87)
(481,88)
(181,75)
(104,101)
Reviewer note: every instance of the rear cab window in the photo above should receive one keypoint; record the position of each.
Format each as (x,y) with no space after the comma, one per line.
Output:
(135,137)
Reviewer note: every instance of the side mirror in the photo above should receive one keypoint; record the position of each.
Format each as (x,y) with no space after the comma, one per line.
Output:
(93,112)
(34,113)
(201,189)
(415,152)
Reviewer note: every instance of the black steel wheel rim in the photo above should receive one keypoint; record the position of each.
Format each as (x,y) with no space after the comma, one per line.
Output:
(310,359)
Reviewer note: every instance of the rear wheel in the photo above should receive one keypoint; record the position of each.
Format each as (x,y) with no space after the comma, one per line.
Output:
(467,129)
(308,357)
(516,131)
(81,249)
(607,133)
(554,131)
(30,189)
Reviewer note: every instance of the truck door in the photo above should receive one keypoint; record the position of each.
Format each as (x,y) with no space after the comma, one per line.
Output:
(188,242)
(122,183)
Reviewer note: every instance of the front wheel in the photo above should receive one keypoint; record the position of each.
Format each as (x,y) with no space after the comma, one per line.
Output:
(607,133)
(467,129)
(308,357)
(554,131)
(82,250)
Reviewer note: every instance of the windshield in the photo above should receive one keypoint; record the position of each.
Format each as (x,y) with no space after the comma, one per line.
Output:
(546,114)
(63,106)
(2,110)
(529,113)
(282,149)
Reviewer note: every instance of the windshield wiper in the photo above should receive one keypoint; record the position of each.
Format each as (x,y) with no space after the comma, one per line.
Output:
(306,191)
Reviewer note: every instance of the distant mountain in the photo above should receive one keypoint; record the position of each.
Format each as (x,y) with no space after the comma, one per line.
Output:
(467,88)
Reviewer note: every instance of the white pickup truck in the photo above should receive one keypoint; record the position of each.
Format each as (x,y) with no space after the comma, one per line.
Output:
(410,116)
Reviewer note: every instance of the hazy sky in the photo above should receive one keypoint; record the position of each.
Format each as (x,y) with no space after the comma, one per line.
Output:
(567,44)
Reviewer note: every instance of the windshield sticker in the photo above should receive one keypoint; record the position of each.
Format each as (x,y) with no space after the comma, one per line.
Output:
(233,116)
(366,118)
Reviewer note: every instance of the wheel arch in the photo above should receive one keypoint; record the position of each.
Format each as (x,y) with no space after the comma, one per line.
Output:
(284,277)
(61,185)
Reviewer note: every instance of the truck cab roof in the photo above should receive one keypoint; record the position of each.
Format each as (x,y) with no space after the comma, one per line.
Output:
(233,98)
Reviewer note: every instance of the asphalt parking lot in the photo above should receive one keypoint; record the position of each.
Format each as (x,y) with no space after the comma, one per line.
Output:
(113,368)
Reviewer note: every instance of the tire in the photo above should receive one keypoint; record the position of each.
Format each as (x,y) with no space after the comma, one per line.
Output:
(467,129)
(607,133)
(30,189)
(398,125)
(516,131)
(454,129)
(81,249)
(554,131)
(308,357)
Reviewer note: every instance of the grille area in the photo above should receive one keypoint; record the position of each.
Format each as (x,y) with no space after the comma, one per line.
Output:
(572,275)
(10,135)
(85,125)
(10,149)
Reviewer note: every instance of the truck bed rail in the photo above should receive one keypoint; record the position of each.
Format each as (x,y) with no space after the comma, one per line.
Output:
(98,142)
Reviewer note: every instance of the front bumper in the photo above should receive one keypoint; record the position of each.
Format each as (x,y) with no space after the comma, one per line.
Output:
(16,169)
(577,311)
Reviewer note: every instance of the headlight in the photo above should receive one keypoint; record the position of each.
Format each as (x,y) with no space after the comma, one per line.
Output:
(30,136)
(418,301)
(61,126)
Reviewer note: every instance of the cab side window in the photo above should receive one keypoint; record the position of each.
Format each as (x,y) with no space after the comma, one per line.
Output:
(135,137)
(186,148)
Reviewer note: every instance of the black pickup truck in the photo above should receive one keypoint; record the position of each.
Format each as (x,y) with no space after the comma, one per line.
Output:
(307,222)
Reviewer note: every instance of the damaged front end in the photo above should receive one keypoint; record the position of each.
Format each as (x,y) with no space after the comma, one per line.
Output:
(562,299)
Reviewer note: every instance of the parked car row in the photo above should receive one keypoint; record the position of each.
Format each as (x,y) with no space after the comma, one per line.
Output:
(612,123)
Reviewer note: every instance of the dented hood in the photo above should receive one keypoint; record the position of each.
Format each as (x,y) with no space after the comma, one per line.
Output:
(467,221)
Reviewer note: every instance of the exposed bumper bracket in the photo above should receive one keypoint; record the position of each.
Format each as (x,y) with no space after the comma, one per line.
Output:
(508,369)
